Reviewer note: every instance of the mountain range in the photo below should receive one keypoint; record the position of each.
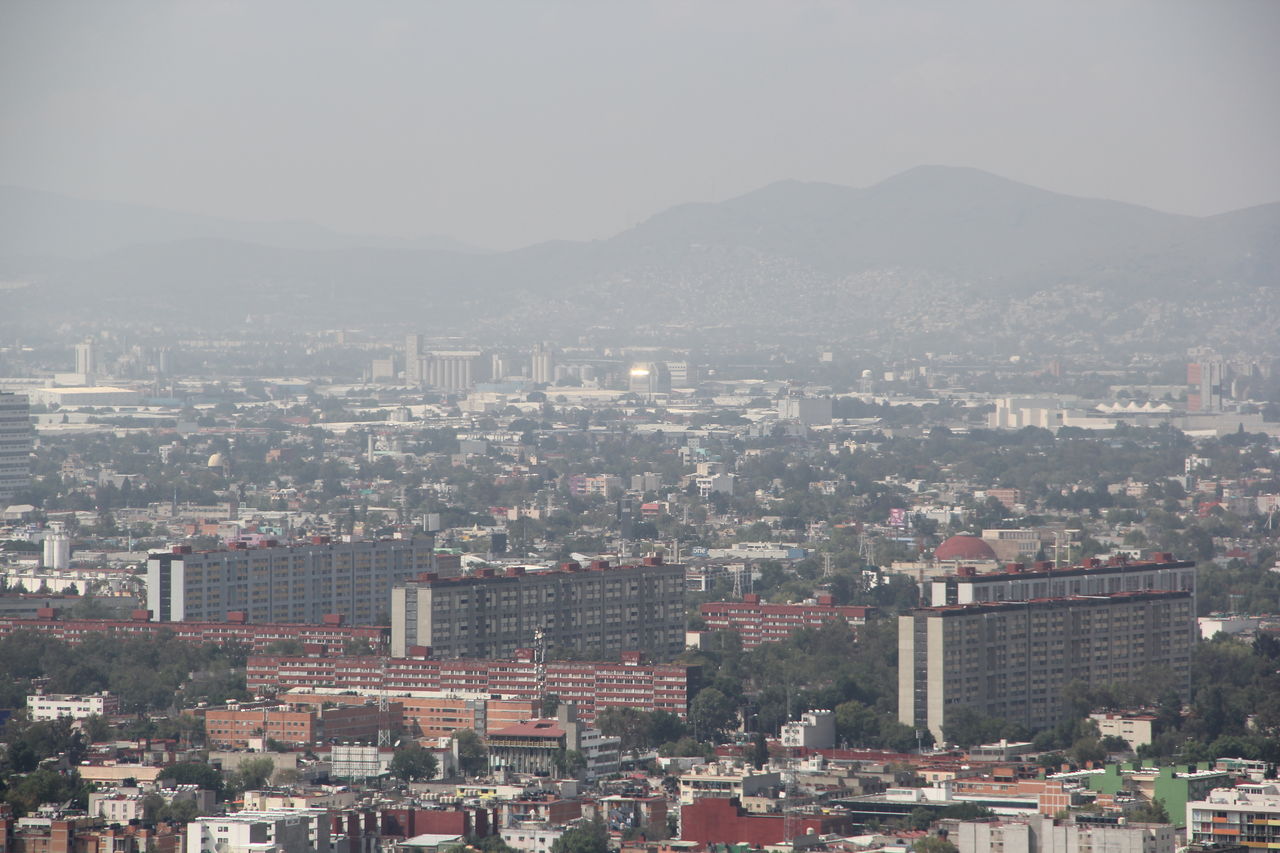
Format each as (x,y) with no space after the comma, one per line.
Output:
(939,256)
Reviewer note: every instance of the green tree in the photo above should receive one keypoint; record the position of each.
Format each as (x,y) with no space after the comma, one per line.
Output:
(759,751)
(591,837)
(96,728)
(933,844)
(253,773)
(1150,812)
(413,763)
(194,773)
(473,757)
(712,713)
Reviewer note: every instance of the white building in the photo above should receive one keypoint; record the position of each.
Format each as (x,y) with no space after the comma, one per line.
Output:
(51,706)
(276,831)
(1245,814)
(1136,729)
(809,411)
(725,779)
(1040,834)
(814,730)
(531,836)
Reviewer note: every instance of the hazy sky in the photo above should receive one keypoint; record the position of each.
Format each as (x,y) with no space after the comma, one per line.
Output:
(505,123)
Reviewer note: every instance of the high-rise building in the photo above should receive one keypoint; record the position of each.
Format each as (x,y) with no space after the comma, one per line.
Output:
(302,583)
(649,378)
(1205,381)
(413,359)
(1013,659)
(15,444)
(598,609)
(86,360)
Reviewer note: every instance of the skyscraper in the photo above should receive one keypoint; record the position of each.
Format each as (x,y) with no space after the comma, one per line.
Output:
(86,361)
(413,359)
(15,444)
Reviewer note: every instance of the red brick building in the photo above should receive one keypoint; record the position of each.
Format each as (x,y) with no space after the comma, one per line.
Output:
(715,820)
(590,685)
(757,622)
(235,726)
(330,637)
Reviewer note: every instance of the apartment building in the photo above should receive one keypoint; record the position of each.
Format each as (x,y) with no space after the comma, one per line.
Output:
(331,636)
(590,685)
(1248,815)
(15,444)
(282,830)
(1014,659)
(1018,582)
(51,706)
(295,583)
(599,610)
(425,713)
(1040,834)
(757,622)
(297,724)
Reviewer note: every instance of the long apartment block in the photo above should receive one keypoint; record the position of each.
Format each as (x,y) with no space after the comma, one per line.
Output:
(1015,659)
(590,685)
(757,622)
(330,635)
(598,610)
(290,583)
(1018,582)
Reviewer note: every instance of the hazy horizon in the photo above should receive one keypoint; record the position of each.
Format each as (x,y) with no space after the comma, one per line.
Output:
(505,125)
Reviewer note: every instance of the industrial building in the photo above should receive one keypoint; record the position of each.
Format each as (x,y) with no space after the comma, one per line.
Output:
(598,610)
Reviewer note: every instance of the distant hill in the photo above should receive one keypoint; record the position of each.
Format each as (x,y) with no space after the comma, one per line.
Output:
(936,256)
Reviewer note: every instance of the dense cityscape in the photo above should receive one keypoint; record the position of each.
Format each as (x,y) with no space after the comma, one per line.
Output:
(418,594)
(738,426)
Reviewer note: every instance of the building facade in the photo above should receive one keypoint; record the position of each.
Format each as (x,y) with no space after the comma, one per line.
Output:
(596,610)
(302,583)
(1019,582)
(51,706)
(15,444)
(332,638)
(1013,659)
(590,685)
(757,622)
(1248,815)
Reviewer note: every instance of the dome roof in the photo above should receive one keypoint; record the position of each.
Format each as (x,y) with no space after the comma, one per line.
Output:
(964,548)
